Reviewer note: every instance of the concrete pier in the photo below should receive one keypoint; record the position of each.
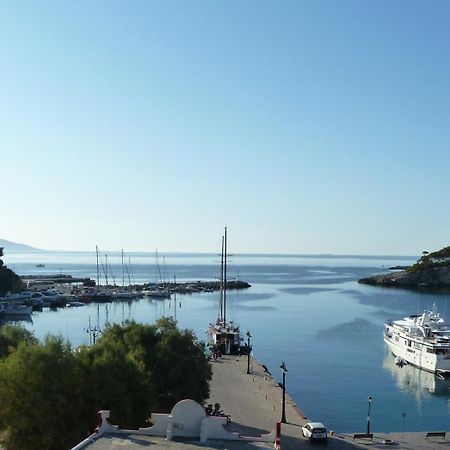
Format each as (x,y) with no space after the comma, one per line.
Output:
(254,403)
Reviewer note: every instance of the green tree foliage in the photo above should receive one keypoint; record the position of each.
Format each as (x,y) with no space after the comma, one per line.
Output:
(174,360)
(50,394)
(187,371)
(9,281)
(113,380)
(11,336)
(40,397)
(439,258)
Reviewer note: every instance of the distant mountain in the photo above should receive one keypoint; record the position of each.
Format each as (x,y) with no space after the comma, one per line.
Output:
(14,247)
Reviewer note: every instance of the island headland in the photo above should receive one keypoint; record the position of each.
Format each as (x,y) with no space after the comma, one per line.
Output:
(431,271)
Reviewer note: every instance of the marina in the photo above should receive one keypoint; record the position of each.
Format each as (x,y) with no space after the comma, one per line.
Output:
(308,311)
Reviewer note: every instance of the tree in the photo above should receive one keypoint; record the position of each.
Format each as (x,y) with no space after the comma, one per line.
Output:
(174,360)
(40,397)
(11,336)
(50,394)
(113,380)
(9,281)
(183,369)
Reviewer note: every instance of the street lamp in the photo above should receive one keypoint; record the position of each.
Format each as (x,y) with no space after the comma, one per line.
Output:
(368,415)
(248,351)
(283,402)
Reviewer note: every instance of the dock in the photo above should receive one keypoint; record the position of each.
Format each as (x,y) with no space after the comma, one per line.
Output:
(254,403)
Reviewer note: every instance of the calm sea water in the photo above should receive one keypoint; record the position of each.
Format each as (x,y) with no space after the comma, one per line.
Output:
(308,311)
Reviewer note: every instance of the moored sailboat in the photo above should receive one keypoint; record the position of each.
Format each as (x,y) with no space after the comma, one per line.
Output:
(223,335)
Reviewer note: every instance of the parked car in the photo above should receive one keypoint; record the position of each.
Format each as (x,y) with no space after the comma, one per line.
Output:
(314,431)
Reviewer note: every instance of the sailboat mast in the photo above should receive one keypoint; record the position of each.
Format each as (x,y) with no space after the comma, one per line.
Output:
(123,273)
(221,282)
(105,269)
(225,278)
(98,273)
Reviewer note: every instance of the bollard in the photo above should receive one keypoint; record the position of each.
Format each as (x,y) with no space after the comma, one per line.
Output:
(277,443)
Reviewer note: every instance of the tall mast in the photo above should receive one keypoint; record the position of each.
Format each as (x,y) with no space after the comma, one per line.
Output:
(123,272)
(105,269)
(98,274)
(221,281)
(225,279)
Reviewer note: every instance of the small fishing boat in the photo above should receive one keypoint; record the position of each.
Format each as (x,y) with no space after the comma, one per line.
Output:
(422,341)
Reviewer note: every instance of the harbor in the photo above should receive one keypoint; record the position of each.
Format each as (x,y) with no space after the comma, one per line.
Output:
(307,311)
(57,291)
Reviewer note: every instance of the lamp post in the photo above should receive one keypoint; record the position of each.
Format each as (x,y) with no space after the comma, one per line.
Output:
(368,415)
(249,349)
(283,401)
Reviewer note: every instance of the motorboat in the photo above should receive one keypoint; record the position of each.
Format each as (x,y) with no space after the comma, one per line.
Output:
(14,309)
(16,297)
(421,340)
(157,293)
(224,336)
(52,297)
(124,295)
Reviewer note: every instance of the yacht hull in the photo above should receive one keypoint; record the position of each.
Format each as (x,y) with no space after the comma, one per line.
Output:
(421,341)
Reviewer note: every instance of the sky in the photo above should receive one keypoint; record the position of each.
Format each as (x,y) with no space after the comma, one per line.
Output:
(304,126)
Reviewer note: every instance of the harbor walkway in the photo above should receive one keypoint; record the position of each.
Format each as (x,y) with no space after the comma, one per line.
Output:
(254,403)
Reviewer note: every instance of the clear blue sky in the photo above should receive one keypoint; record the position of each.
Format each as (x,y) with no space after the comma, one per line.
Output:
(305,126)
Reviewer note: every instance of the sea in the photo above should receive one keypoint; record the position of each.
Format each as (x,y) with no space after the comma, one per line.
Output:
(308,311)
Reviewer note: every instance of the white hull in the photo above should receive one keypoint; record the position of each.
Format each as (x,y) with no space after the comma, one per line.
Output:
(157,294)
(418,358)
(422,341)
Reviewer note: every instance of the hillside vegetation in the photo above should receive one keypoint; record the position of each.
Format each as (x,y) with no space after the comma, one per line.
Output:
(9,281)
(440,258)
(432,270)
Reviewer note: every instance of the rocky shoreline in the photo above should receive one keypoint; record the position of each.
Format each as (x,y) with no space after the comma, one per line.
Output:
(426,278)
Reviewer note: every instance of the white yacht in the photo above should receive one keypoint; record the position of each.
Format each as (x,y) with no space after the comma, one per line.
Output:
(422,341)
(224,336)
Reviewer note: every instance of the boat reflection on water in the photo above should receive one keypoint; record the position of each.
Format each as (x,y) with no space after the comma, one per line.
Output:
(418,382)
